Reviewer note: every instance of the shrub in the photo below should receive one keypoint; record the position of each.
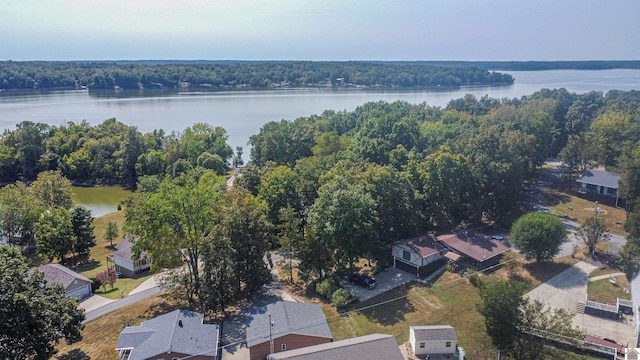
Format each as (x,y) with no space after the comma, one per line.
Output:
(327,287)
(341,298)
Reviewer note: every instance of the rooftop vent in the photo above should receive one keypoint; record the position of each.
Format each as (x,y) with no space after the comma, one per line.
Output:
(180,323)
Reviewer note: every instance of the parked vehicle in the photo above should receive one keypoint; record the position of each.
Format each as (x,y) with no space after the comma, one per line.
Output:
(365,281)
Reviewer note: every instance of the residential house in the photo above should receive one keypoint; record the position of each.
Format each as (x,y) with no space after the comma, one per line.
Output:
(600,182)
(175,335)
(285,325)
(432,340)
(75,285)
(122,259)
(412,254)
(368,347)
(478,250)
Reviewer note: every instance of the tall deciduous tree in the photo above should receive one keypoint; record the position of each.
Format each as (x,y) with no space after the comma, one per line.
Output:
(344,218)
(246,225)
(540,233)
(172,225)
(82,224)
(111,232)
(592,232)
(52,190)
(19,212)
(35,315)
(55,233)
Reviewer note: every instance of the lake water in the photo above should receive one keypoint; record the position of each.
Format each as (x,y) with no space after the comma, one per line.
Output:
(101,200)
(242,113)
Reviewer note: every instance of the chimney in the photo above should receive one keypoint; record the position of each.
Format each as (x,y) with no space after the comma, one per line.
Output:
(180,323)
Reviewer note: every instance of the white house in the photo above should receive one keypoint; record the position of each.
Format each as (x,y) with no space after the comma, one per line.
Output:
(433,339)
(600,182)
(122,259)
(75,285)
(412,254)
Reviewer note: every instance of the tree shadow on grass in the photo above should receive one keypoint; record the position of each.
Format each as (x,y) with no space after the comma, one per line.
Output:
(544,271)
(86,265)
(75,354)
(394,308)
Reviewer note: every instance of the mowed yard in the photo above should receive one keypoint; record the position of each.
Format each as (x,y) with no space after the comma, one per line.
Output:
(97,261)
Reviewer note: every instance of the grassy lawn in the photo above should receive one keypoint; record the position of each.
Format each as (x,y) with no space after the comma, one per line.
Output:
(604,291)
(578,207)
(97,261)
(451,300)
(101,335)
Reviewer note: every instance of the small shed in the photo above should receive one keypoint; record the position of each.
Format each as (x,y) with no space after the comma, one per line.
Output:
(433,339)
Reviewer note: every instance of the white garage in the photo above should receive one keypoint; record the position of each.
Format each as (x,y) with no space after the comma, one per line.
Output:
(75,285)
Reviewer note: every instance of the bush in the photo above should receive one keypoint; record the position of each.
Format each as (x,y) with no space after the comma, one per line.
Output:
(341,298)
(327,287)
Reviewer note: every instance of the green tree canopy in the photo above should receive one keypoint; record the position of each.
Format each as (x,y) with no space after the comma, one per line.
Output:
(35,315)
(344,218)
(539,233)
(55,233)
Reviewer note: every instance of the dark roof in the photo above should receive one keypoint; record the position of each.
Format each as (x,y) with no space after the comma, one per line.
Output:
(600,178)
(434,332)
(424,245)
(473,244)
(598,341)
(368,347)
(125,248)
(56,273)
(179,331)
(288,317)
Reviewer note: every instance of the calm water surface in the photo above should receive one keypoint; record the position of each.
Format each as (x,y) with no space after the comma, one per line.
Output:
(101,200)
(242,113)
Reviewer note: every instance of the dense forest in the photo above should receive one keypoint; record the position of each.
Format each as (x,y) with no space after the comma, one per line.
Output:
(214,75)
(336,186)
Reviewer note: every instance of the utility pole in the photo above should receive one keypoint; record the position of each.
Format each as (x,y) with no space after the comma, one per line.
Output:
(270,335)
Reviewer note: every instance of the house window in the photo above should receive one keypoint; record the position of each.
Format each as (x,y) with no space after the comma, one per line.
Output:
(448,344)
(283,347)
(421,345)
(406,255)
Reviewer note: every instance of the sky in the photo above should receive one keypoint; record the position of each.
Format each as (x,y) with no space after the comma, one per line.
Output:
(338,30)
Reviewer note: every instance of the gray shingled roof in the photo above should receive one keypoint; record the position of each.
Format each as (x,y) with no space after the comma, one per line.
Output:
(288,317)
(56,273)
(368,347)
(179,331)
(600,178)
(434,332)
(125,248)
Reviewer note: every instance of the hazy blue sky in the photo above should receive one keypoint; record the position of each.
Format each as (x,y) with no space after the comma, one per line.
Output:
(320,29)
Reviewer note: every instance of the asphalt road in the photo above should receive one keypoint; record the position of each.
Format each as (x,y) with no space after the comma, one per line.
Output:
(120,303)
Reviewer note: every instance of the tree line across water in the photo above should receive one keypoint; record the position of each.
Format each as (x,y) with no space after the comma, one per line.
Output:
(217,75)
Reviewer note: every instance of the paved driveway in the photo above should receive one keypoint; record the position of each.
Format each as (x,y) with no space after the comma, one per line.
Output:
(568,288)
(386,280)
(93,302)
